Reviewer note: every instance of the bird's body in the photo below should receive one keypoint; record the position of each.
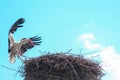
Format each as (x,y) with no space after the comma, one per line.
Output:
(14,52)
(15,48)
(19,48)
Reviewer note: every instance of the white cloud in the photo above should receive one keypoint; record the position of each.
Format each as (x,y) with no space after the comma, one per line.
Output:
(87,40)
(109,56)
(111,62)
(86,37)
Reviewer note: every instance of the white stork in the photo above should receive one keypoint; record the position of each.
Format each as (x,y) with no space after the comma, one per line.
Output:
(19,48)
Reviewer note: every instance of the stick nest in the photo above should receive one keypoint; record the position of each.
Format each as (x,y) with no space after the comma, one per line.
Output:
(61,66)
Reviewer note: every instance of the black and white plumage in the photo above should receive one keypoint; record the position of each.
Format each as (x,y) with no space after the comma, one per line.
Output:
(19,48)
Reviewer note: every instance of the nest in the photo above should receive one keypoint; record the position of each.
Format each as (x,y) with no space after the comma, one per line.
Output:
(61,66)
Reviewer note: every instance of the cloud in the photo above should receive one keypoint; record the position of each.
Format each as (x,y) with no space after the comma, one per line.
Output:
(87,37)
(111,62)
(87,40)
(108,54)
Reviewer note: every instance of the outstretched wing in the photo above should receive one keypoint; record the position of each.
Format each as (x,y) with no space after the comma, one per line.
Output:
(33,41)
(14,27)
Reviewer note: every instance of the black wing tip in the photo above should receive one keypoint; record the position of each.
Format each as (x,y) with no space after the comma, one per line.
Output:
(36,40)
(17,24)
(19,21)
(37,43)
(22,20)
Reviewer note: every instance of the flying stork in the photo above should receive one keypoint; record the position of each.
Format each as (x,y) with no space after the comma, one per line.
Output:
(19,48)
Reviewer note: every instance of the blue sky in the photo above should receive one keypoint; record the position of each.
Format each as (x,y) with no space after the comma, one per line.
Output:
(64,24)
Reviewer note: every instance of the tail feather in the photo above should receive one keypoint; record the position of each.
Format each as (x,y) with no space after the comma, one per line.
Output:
(12,59)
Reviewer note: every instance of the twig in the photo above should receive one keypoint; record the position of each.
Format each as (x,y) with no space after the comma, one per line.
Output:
(17,71)
(9,68)
(81,51)
(93,56)
(73,69)
(69,50)
(16,75)
(20,57)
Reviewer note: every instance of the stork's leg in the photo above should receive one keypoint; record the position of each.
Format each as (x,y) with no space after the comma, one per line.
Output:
(20,57)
